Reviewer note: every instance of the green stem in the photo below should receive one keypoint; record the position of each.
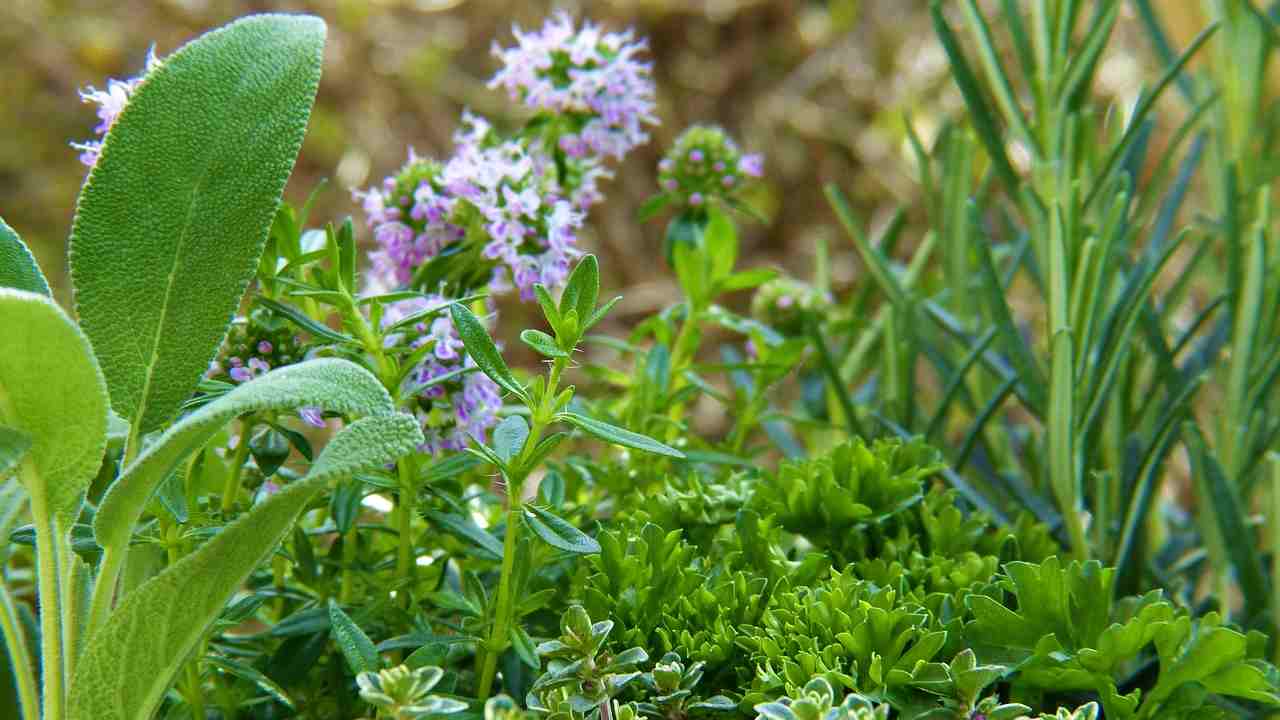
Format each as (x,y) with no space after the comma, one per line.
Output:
(19,656)
(499,636)
(232,486)
(104,587)
(502,621)
(404,527)
(347,591)
(49,554)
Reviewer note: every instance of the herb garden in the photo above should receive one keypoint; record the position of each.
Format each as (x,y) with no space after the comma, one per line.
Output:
(273,463)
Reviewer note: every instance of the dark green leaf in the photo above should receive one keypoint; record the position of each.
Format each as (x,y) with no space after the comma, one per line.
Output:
(356,647)
(482,350)
(558,533)
(618,436)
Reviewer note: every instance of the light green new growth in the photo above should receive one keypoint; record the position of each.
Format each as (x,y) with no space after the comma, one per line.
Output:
(127,665)
(18,268)
(52,392)
(173,218)
(53,400)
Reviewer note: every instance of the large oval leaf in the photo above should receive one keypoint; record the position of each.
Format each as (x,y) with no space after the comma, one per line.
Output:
(53,395)
(18,268)
(329,383)
(173,217)
(128,664)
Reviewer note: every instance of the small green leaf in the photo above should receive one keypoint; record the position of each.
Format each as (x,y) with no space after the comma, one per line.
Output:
(170,225)
(721,240)
(558,533)
(464,529)
(747,279)
(481,349)
(548,305)
(18,267)
(524,647)
(250,674)
(330,383)
(509,437)
(51,392)
(582,288)
(301,319)
(599,314)
(618,436)
(356,647)
(542,343)
(128,664)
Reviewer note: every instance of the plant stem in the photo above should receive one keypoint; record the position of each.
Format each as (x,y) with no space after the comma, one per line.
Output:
(404,527)
(49,555)
(232,486)
(349,549)
(498,637)
(501,622)
(104,585)
(19,656)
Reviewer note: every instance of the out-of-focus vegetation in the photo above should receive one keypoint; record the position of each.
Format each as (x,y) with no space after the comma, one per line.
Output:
(820,87)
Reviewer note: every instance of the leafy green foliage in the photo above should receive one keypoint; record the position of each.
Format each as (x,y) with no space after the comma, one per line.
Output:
(174,214)
(128,663)
(18,268)
(53,399)
(333,384)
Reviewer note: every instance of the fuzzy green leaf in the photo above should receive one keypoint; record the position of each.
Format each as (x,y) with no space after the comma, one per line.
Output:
(129,663)
(51,391)
(18,267)
(329,383)
(173,217)
(618,436)
(356,647)
(481,349)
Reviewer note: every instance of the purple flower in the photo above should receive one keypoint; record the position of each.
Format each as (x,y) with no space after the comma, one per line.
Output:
(111,103)
(586,73)
(240,374)
(312,416)
(752,165)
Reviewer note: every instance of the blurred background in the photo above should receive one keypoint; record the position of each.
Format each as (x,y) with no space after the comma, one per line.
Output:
(821,88)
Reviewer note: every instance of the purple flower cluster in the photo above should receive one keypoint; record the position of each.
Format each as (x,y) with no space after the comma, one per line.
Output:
(585,75)
(111,103)
(705,163)
(458,407)
(410,216)
(522,199)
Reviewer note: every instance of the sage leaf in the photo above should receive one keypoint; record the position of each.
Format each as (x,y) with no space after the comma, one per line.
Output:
(132,659)
(52,392)
(356,647)
(18,267)
(618,436)
(329,383)
(173,217)
(559,533)
(481,349)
